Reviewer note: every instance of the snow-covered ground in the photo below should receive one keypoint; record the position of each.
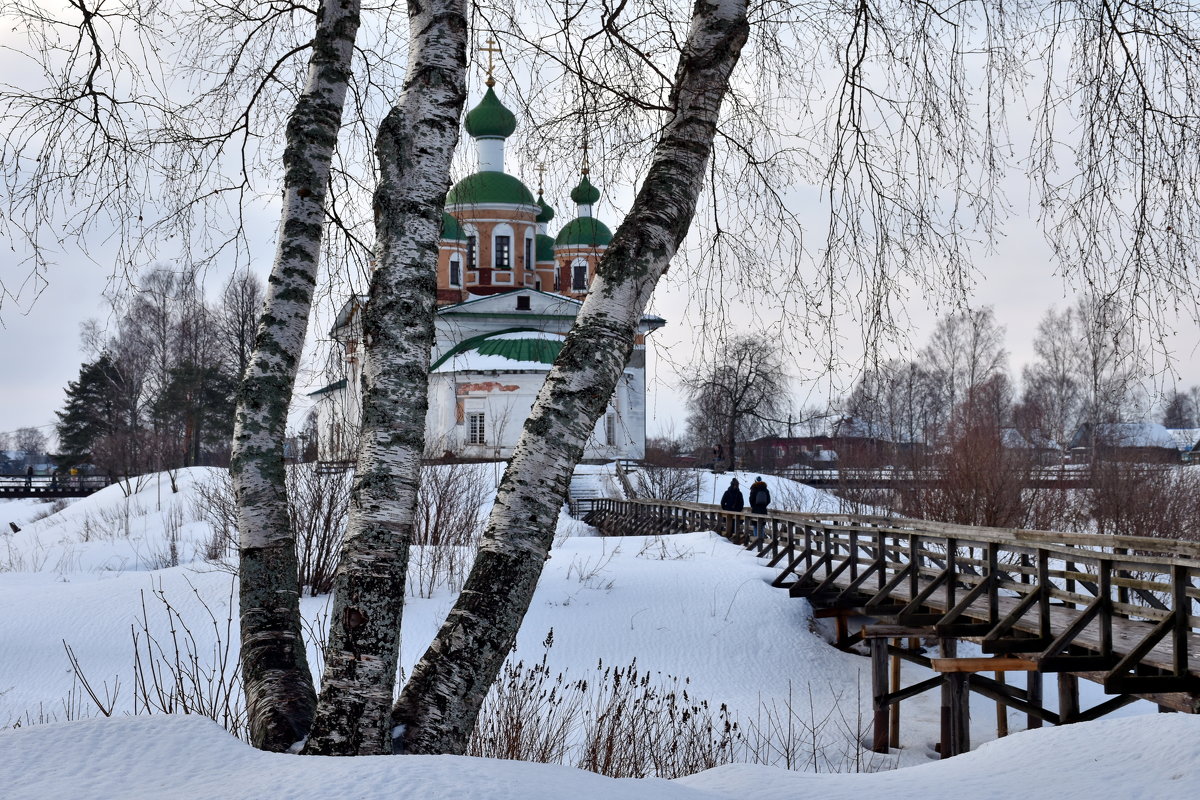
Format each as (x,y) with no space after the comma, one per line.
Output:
(186,758)
(690,606)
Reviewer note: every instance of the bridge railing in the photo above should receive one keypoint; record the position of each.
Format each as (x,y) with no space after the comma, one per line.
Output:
(1123,607)
(19,485)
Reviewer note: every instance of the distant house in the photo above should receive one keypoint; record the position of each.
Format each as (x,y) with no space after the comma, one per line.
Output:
(1146,442)
(1044,450)
(849,443)
(777,452)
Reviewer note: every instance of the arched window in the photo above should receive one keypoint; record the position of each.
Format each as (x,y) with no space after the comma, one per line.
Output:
(579,275)
(502,246)
(472,236)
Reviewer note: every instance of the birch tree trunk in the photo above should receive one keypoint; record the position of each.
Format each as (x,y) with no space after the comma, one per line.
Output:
(414,148)
(279,690)
(438,707)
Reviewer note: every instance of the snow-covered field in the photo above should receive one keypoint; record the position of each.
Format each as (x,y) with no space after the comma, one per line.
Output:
(691,606)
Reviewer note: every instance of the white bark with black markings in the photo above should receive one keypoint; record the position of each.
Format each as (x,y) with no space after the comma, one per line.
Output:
(280,698)
(414,148)
(439,706)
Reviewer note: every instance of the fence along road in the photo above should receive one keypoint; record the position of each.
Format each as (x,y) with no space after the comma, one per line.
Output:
(1120,611)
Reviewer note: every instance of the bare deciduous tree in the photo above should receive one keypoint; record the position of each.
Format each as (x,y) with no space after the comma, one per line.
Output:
(415,146)
(740,394)
(30,441)
(280,697)
(439,706)
(236,319)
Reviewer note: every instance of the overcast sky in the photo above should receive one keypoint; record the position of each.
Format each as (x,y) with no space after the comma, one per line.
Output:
(41,347)
(40,351)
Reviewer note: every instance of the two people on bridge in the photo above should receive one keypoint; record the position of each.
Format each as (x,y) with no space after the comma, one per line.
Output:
(760,498)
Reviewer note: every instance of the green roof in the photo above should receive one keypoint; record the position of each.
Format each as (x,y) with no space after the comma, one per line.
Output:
(541,350)
(451,229)
(333,387)
(585,194)
(489,187)
(547,213)
(535,348)
(490,119)
(545,247)
(585,232)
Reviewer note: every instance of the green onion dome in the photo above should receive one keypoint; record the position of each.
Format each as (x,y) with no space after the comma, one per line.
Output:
(584,232)
(547,213)
(545,247)
(490,187)
(490,119)
(585,194)
(451,229)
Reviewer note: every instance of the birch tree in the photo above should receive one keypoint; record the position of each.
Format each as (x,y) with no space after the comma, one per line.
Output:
(439,705)
(280,698)
(414,148)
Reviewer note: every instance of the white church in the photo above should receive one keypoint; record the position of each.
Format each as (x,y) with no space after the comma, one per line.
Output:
(508,292)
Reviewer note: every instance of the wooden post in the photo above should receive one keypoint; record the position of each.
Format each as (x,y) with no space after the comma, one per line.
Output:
(1033,682)
(1001,712)
(948,649)
(879,691)
(1068,698)
(894,731)
(960,712)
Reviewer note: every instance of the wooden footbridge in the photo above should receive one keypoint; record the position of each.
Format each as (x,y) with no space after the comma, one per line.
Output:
(47,487)
(1119,611)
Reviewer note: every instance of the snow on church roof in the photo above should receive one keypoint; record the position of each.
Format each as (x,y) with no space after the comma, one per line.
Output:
(503,352)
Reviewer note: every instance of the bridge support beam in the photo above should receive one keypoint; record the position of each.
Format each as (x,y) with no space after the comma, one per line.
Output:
(881,728)
(1068,698)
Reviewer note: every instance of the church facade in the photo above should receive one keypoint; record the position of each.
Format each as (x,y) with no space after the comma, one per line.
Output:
(508,292)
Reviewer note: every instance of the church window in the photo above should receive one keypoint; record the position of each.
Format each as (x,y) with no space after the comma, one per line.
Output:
(579,276)
(476,432)
(610,428)
(523,303)
(528,252)
(471,252)
(455,273)
(502,257)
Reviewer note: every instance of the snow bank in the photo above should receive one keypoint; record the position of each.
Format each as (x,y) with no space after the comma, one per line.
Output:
(190,757)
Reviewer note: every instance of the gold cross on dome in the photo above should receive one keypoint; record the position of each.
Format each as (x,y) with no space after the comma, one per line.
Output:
(586,165)
(541,171)
(489,48)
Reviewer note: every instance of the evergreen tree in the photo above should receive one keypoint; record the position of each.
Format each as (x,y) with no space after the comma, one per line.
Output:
(195,410)
(92,411)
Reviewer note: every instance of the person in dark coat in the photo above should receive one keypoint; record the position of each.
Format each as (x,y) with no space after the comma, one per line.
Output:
(29,477)
(760,498)
(732,499)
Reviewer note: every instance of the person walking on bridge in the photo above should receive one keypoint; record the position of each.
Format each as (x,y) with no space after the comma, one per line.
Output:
(732,500)
(29,477)
(760,498)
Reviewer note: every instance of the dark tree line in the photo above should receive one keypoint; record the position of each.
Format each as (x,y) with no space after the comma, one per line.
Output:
(158,391)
